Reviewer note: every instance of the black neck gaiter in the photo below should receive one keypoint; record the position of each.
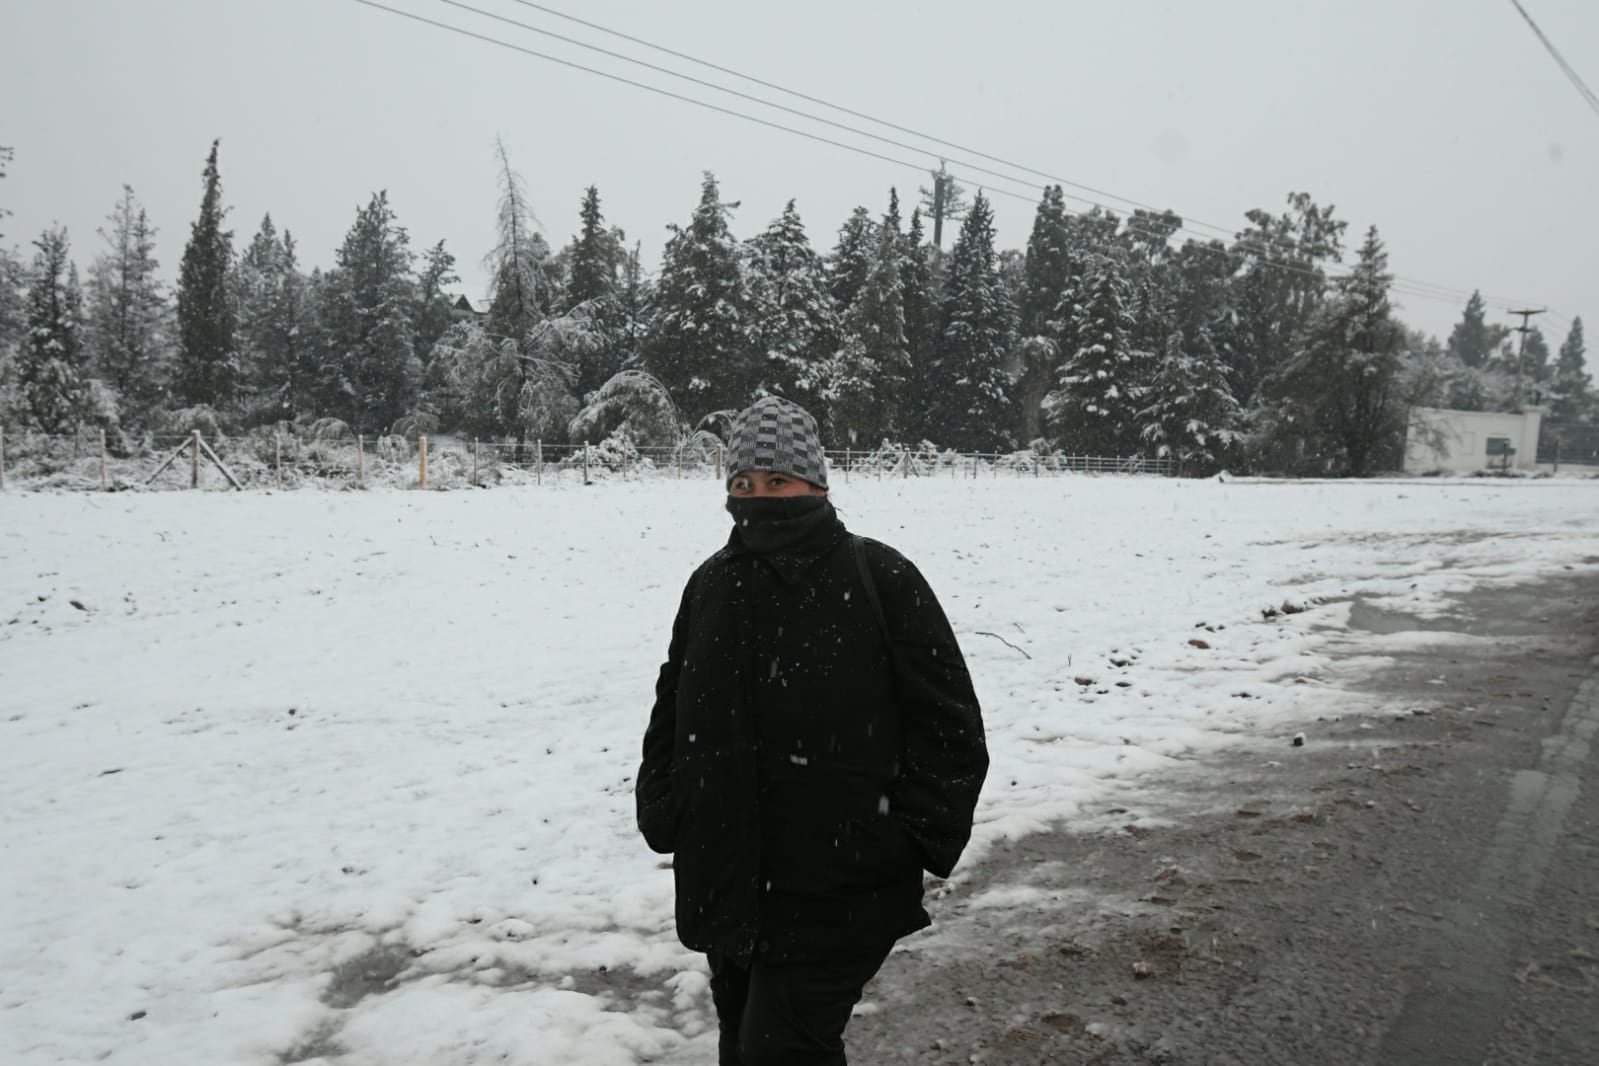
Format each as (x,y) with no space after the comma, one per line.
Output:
(772,523)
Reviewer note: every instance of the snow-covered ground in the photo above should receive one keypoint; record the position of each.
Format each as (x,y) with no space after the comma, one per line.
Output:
(259,754)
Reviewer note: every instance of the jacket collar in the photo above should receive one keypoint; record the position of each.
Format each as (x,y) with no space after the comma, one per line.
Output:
(792,562)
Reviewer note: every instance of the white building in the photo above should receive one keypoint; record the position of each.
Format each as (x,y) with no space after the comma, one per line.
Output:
(1462,441)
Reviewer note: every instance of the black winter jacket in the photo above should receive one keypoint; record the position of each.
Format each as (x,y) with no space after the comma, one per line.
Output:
(802,776)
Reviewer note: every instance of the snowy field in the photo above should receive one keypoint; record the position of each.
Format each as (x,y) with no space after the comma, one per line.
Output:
(347,776)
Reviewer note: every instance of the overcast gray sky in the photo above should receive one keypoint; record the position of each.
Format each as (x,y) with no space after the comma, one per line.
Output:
(1443,122)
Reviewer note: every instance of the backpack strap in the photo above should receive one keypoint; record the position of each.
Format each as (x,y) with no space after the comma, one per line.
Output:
(871,592)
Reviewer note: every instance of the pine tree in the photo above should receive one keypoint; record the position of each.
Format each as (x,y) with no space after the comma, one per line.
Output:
(1571,390)
(524,289)
(699,345)
(852,258)
(1046,276)
(595,255)
(1281,282)
(1340,393)
(921,328)
(595,260)
(368,321)
(972,406)
(868,382)
(434,309)
(11,315)
(256,282)
(1473,341)
(128,326)
(634,296)
(1191,412)
(276,331)
(1093,407)
(52,372)
(793,322)
(208,359)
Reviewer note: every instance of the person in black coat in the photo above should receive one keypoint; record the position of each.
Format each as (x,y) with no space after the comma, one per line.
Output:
(815,745)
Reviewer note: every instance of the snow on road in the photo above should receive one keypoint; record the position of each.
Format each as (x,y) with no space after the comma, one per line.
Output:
(347,776)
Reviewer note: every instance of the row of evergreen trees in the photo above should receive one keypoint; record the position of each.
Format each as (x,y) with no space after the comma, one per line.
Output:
(1104,336)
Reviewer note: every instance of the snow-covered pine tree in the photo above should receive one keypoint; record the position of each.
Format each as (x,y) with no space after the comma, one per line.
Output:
(595,255)
(793,322)
(868,382)
(1046,275)
(634,297)
(921,328)
(699,344)
(51,368)
(1191,413)
(1281,282)
(208,370)
(278,330)
(368,321)
(256,281)
(1473,341)
(971,404)
(519,264)
(435,311)
(128,329)
(852,258)
(594,262)
(1571,389)
(1094,404)
(1342,384)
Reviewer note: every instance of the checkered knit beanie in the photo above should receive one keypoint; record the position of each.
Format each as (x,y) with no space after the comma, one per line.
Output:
(777,435)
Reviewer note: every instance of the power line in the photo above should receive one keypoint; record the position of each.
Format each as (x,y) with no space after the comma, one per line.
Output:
(1402,286)
(1444,291)
(851,112)
(973,167)
(652,88)
(1576,79)
(1443,294)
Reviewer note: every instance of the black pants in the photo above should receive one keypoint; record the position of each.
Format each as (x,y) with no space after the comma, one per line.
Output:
(787,1014)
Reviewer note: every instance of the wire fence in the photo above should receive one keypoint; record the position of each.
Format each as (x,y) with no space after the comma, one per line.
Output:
(264,460)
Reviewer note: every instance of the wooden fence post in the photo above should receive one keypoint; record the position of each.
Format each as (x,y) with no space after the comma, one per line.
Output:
(360,459)
(2,460)
(585,462)
(277,459)
(474,460)
(194,459)
(719,462)
(906,471)
(538,462)
(102,461)
(846,466)
(422,462)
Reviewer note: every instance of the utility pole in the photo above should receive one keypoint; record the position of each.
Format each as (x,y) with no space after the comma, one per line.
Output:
(1521,354)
